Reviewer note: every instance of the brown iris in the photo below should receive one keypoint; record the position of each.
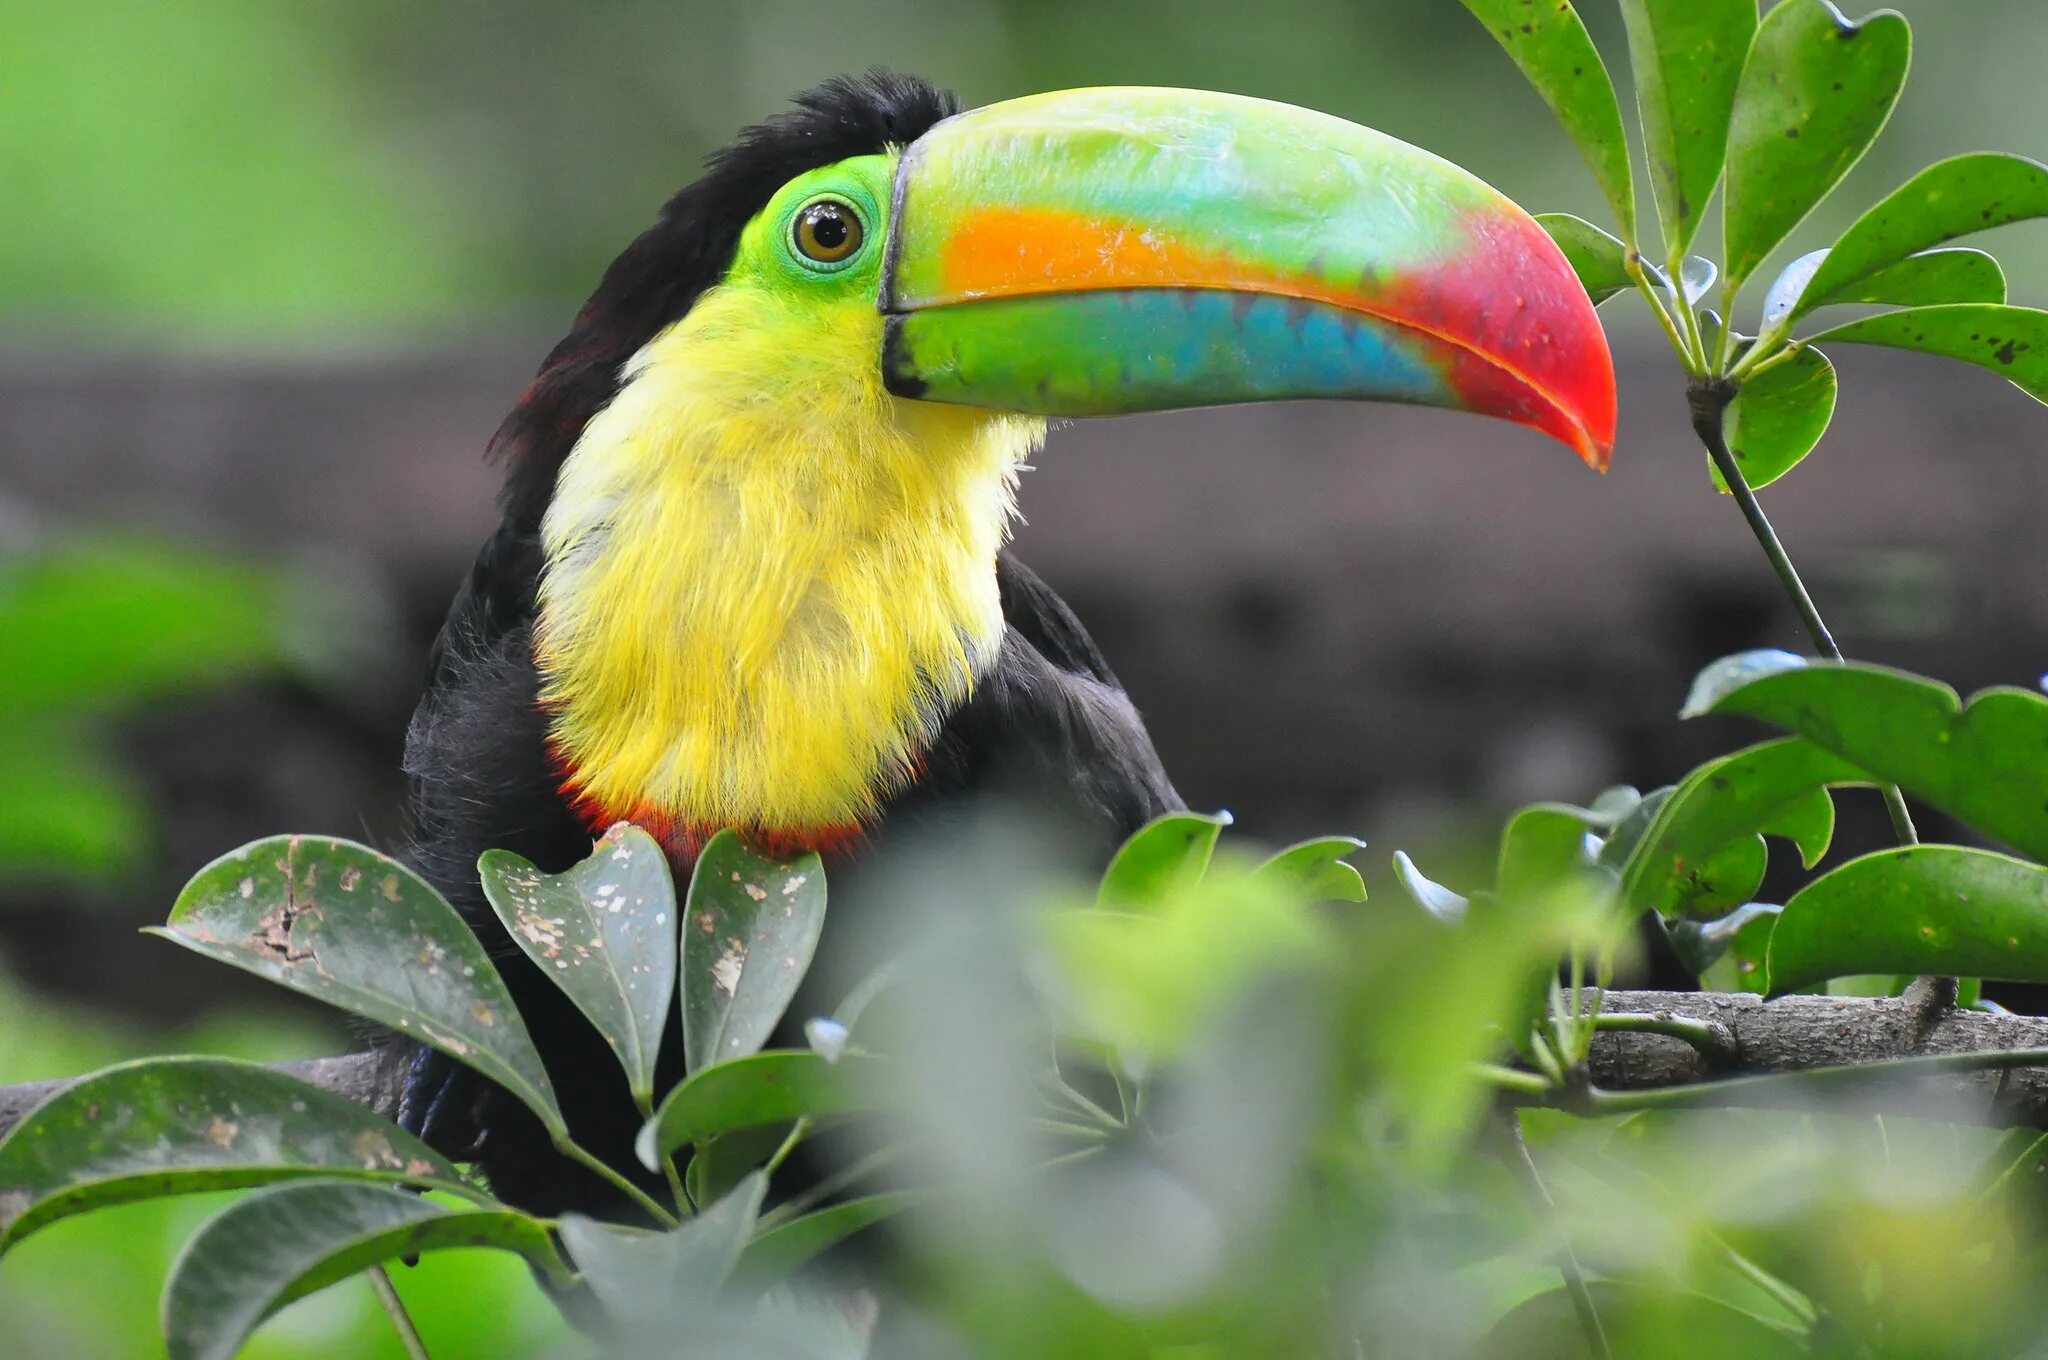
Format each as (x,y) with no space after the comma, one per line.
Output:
(827,231)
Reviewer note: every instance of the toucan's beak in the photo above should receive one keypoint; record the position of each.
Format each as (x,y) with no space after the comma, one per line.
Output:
(1096,252)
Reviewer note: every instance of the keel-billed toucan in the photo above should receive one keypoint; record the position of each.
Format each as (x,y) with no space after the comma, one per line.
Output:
(751,569)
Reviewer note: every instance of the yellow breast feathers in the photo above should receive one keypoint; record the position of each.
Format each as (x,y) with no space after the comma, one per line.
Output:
(768,579)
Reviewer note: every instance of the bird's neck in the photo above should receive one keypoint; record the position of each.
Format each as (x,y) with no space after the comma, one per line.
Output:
(768,581)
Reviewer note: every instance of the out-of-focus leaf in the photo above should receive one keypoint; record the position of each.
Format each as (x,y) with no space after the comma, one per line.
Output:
(1940,909)
(1815,91)
(1144,983)
(1639,1321)
(604,932)
(1611,806)
(750,926)
(356,929)
(1431,896)
(69,810)
(1933,277)
(1703,852)
(1719,678)
(175,1126)
(638,1274)
(1950,198)
(2010,341)
(1778,417)
(1733,948)
(1165,855)
(1686,56)
(762,1088)
(1543,847)
(779,1251)
(1315,870)
(280,1244)
(103,622)
(1550,44)
(1980,763)
(1600,260)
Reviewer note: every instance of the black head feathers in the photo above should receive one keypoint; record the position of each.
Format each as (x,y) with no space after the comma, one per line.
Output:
(689,247)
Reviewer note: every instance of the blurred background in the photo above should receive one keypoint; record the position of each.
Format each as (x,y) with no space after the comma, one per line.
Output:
(270,274)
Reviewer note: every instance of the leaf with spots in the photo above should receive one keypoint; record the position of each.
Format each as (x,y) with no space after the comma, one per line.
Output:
(281,1244)
(176,1126)
(750,926)
(1778,418)
(1600,260)
(1948,199)
(1548,40)
(1686,55)
(346,925)
(2010,341)
(1814,93)
(605,933)
(1984,763)
(745,1093)
(1927,909)
(1703,852)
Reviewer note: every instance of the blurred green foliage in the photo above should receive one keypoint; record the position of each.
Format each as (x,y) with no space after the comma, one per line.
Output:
(218,167)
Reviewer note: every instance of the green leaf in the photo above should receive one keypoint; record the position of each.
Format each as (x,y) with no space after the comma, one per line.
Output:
(1815,91)
(635,1273)
(1431,896)
(1543,847)
(1600,260)
(1778,417)
(1165,855)
(1718,679)
(781,1250)
(1982,764)
(1939,909)
(1957,274)
(2010,341)
(720,1163)
(1550,44)
(1704,851)
(175,1126)
(750,927)
(1628,833)
(345,925)
(1687,56)
(1727,955)
(1315,871)
(1948,199)
(762,1088)
(281,1244)
(1639,1321)
(604,932)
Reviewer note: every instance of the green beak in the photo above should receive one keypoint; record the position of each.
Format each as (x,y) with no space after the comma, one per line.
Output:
(1105,251)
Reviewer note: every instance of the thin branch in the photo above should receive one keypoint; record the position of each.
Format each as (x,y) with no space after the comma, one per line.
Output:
(1710,401)
(1523,1167)
(394,1308)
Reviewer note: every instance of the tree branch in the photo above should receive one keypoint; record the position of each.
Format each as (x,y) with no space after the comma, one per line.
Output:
(1791,1034)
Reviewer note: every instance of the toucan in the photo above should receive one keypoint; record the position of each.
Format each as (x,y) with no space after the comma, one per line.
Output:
(751,571)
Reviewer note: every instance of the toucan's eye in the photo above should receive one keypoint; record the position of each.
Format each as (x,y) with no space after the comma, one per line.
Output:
(827,231)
